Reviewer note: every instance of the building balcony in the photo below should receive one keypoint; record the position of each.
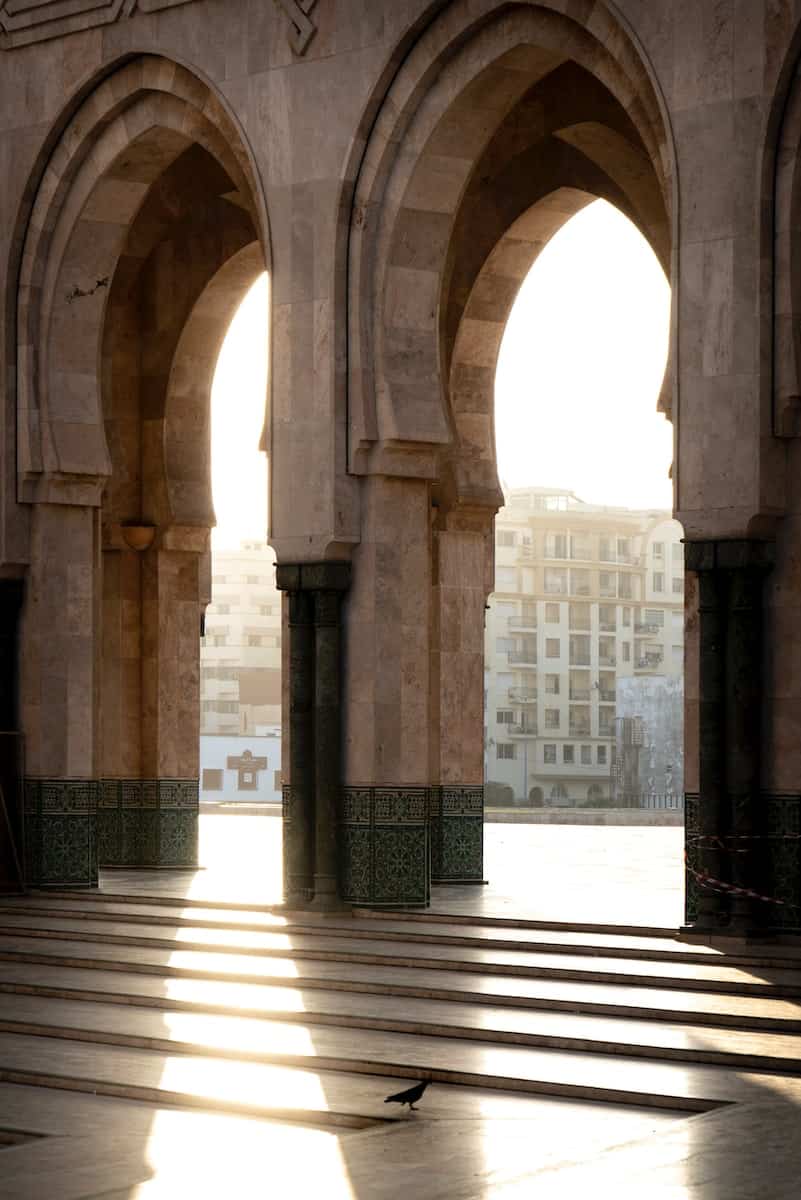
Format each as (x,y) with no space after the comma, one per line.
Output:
(641,629)
(523,624)
(607,626)
(579,660)
(606,697)
(579,729)
(521,658)
(607,660)
(648,662)
(580,694)
(523,695)
(524,729)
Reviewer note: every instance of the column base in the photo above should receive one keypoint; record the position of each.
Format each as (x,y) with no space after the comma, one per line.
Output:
(60,832)
(456,818)
(384,846)
(148,823)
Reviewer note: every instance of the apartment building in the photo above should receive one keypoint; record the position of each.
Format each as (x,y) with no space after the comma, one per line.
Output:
(585,596)
(240,657)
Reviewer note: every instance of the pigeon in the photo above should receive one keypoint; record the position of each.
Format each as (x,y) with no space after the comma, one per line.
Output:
(410,1096)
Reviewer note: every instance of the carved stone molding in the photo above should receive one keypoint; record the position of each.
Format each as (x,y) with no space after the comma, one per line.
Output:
(23,22)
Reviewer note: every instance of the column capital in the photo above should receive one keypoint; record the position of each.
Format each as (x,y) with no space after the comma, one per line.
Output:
(728,554)
(333,576)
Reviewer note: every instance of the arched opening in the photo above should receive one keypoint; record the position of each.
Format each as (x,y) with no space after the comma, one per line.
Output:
(240,731)
(146,232)
(530,120)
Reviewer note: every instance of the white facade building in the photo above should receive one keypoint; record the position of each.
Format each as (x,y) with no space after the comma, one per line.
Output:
(584,595)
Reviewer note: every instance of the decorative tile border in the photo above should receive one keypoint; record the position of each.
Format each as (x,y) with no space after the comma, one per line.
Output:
(780,849)
(385,846)
(783,827)
(148,822)
(456,816)
(60,817)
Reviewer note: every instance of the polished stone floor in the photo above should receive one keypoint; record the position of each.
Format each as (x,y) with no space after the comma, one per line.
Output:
(180,1034)
(619,875)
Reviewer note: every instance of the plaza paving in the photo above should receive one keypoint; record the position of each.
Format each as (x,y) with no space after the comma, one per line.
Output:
(180,1034)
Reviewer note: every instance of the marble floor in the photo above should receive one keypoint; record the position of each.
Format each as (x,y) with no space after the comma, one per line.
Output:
(180,1034)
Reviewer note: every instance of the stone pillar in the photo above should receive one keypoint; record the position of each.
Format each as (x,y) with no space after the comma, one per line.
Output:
(459,593)
(11,756)
(59,696)
(385,847)
(723,839)
(311,792)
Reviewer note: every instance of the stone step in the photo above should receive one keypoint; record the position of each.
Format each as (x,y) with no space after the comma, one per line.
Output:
(601,1035)
(439,933)
(272,1044)
(160,898)
(763,1013)
(692,976)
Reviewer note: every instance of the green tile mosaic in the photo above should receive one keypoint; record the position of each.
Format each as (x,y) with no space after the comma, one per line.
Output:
(148,823)
(456,816)
(384,846)
(59,832)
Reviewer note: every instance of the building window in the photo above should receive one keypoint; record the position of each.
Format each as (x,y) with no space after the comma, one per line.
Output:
(602,756)
(579,582)
(506,537)
(623,549)
(555,581)
(655,616)
(555,545)
(568,753)
(658,581)
(506,579)
(552,685)
(677,552)
(586,756)
(505,750)
(658,549)
(678,586)
(552,718)
(552,647)
(212,779)
(625,650)
(607,582)
(552,614)
(504,644)
(626,618)
(549,752)
(504,716)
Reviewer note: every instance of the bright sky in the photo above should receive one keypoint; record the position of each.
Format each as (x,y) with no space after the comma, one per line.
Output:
(581,365)
(578,378)
(238,467)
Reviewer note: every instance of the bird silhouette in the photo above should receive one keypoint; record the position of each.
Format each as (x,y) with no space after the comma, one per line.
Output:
(410,1096)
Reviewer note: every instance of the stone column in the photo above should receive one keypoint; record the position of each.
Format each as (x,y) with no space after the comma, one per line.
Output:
(462,547)
(311,793)
(726,845)
(299,787)
(11,757)
(59,695)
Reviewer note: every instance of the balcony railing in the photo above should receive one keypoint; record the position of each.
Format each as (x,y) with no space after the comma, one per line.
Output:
(607,626)
(523,622)
(580,729)
(524,729)
(581,694)
(607,660)
(643,629)
(648,662)
(521,658)
(523,695)
(579,659)
(606,696)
